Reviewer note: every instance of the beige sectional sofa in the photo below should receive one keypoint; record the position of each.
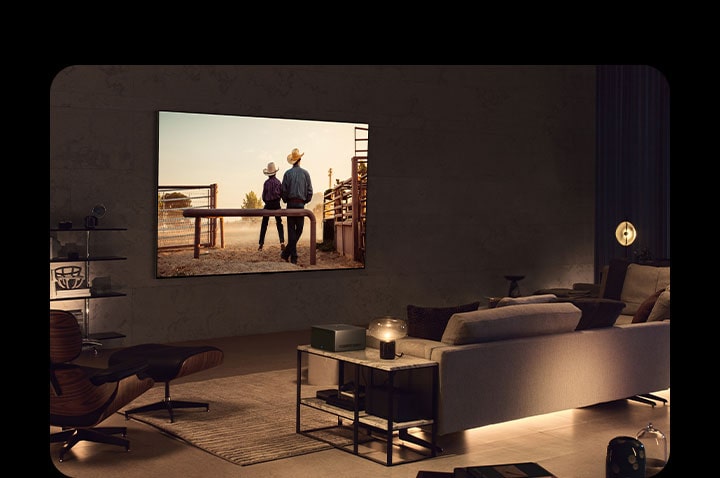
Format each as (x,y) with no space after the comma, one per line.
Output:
(527,359)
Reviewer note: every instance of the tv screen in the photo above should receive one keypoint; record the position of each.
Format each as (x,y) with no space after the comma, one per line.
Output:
(218,179)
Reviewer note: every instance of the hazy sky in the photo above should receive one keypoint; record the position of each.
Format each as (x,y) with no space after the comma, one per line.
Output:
(232,151)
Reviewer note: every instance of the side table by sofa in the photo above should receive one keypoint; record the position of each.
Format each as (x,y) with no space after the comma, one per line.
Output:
(514,288)
(369,359)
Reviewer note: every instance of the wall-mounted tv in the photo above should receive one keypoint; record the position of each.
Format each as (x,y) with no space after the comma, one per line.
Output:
(211,193)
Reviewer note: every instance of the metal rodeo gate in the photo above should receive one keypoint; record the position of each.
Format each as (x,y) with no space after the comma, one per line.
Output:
(175,231)
(345,205)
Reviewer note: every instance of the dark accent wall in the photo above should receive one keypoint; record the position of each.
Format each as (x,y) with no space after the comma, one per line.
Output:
(633,175)
(475,172)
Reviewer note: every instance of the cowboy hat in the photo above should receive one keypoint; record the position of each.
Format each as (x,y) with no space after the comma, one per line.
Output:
(271,169)
(295,156)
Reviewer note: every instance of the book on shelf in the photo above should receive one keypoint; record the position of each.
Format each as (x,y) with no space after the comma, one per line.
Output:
(345,403)
(66,293)
(347,390)
(508,470)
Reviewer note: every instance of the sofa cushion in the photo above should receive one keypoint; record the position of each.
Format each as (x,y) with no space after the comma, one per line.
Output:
(643,311)
(661,309)
(530,299)
(641,281)
(597,313)
(500,323)
(417,347)
(429,322)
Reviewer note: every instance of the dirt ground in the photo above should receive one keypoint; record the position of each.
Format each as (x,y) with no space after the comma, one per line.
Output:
(240,256)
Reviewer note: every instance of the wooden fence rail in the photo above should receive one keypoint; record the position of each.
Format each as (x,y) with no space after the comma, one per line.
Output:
(199,213)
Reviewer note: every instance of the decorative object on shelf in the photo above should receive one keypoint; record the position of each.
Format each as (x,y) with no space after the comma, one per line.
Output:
(70,281)
(387,330)
(625,233)
(69,277)
(625,458)
(514,289)
(98,211)
(655,449)
(101,285)
(65,225)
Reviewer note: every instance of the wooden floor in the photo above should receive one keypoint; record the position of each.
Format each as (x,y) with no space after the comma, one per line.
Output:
(570,443)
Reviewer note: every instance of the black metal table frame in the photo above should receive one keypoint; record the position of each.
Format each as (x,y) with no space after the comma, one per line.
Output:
(403,433)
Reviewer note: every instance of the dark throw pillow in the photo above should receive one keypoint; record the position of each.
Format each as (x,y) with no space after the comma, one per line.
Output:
(615,278)
(643,312)
(430,322)
(597,313)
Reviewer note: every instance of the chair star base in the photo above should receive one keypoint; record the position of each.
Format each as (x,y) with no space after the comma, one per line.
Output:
(167,404)
(97,434)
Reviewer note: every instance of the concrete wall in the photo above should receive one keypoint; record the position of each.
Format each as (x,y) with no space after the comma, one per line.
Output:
(494,165)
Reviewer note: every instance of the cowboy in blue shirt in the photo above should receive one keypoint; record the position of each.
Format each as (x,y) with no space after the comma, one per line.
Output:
(296,192)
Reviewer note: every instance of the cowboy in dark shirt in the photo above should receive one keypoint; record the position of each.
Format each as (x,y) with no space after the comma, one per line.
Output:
(272,190)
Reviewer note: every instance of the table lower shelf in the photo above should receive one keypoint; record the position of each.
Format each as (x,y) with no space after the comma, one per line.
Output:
(373,444)
(364,419)
(374,435)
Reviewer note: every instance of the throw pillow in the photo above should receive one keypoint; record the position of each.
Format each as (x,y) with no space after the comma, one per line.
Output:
(661,309)
(503,323)
(430,322)
(529,299)
(643,312)
(597,313)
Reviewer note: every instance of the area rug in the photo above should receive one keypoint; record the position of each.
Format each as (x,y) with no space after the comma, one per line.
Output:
(251,418)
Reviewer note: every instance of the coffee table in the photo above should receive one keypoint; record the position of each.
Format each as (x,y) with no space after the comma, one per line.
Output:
(369,358)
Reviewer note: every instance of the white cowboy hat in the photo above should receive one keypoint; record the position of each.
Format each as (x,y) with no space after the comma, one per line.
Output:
(271,169)
(295,156)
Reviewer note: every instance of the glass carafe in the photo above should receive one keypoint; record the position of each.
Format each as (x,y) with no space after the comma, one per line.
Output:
(655,449)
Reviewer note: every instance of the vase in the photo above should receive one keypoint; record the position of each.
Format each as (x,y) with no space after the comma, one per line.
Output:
(625,458)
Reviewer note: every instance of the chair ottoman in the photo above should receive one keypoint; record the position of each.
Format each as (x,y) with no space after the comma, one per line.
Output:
(166,363)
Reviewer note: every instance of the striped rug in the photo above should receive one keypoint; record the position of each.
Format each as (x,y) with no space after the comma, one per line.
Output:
(251,418)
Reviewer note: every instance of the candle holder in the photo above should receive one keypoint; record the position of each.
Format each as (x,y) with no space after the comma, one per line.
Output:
(387,350)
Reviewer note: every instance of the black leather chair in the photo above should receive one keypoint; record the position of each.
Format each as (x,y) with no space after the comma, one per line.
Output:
(166,363)
(82,397)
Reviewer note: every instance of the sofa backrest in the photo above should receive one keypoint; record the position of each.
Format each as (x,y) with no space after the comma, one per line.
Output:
(642,281)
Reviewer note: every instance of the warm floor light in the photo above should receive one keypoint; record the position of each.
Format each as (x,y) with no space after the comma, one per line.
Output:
(625,233)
